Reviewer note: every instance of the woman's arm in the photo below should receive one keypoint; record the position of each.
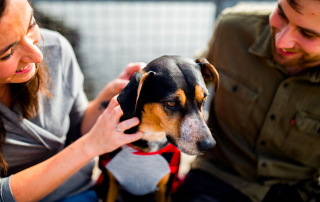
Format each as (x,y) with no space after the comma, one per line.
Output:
(95,107)
(36,182)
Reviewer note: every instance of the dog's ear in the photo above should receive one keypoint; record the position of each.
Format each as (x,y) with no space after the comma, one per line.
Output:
(209,73)
(129,96)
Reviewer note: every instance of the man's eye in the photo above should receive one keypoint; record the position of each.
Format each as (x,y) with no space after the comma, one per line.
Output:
(171,103)
(304,34)
(281,14)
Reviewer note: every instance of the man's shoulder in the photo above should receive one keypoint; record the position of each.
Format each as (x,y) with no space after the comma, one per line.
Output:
(246,15)
(244,19)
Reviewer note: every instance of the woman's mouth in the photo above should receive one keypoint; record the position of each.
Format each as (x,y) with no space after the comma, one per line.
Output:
(25,69)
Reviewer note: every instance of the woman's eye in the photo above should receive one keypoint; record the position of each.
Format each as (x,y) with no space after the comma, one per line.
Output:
(7,56)
(304,34)
(171,104)
(33,23)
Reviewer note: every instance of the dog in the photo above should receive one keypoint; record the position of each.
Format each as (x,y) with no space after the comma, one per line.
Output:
(168,97)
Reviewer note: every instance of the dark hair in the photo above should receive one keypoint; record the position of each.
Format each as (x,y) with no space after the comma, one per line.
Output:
(24,96)
(3,164)
(3,4)
(294,4)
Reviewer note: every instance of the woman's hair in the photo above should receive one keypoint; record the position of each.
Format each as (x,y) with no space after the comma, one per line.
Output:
(24,96)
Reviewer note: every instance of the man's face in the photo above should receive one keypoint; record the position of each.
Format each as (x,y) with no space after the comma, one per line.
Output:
(296,35)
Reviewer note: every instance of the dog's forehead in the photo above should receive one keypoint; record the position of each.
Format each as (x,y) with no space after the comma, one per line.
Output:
(171,63)
(176,69)
(175,76)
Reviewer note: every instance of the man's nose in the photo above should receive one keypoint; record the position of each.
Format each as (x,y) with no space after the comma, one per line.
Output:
(285,38)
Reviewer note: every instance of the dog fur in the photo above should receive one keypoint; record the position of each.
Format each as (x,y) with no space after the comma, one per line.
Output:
(168,96)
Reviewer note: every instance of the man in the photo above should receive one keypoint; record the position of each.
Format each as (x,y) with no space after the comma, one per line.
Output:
(266,114)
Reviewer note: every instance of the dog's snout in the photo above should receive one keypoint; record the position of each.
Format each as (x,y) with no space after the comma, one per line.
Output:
(206,144)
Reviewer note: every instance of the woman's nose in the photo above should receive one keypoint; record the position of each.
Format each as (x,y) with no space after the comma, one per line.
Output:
(285,38)
(31,52)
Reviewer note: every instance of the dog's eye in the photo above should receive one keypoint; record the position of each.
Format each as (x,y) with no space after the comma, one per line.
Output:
(171,104)
(204,100)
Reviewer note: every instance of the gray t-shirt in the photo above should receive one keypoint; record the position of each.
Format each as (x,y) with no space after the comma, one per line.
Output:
(29,142)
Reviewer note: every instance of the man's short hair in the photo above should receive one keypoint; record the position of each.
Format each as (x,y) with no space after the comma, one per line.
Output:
(294,4)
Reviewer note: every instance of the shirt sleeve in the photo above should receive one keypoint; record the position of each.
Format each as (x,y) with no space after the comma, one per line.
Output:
(74,80)
(5,190)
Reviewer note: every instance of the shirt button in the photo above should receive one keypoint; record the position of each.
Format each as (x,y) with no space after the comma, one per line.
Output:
(264,164)
(285,84)
(263,143)
(272,117)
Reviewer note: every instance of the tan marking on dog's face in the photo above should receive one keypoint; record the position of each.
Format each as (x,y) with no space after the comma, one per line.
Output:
(181,97)
(154,120)
(199,94)
(140,85)
(152,131)
(201,98)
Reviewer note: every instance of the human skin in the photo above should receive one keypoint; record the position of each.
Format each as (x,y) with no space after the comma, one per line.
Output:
(296,35)
(19,34)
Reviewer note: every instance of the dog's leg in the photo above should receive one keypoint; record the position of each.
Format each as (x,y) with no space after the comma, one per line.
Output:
(161,193)
(113,188)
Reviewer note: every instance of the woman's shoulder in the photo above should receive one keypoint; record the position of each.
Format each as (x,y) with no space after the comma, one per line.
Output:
(54,41)
(54,45)
(50,38)
(60,58)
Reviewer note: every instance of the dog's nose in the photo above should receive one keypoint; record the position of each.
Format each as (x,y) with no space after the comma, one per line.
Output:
(206,144)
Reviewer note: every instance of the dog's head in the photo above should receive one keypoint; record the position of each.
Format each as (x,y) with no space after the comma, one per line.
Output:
(168,96)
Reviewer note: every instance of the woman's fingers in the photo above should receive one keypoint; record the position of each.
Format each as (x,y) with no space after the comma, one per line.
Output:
(127,124)
(109,132)
(118,85)
(128,138)
(131,69)
(111,106)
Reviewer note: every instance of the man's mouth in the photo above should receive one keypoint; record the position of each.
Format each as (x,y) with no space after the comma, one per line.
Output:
(285,52)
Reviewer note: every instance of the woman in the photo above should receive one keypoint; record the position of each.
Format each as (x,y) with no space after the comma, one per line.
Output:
(41,115)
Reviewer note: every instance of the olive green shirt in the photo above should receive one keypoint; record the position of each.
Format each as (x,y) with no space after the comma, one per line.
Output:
(266,123)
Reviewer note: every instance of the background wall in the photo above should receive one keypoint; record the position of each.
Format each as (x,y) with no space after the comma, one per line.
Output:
(107,35)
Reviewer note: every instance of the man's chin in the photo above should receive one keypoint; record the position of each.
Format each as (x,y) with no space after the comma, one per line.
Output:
(284,62)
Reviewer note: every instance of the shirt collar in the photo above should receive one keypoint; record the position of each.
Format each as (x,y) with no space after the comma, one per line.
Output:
(262,47)
(262,44)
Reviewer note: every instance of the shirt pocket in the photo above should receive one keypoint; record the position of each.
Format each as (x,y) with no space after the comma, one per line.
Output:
(236,99)
(303,139)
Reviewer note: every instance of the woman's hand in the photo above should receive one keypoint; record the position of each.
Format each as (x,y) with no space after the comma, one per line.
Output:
(51,173)
(97,106)
(107,133)
(116,86)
